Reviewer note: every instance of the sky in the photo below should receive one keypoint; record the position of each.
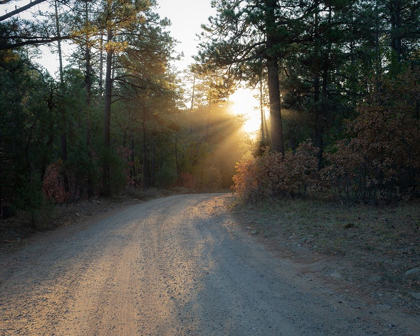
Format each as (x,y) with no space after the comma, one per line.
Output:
(186,17)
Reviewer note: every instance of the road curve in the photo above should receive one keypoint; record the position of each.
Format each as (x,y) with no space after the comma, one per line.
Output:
(171,266)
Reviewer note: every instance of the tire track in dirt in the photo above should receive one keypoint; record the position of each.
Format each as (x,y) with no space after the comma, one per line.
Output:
(172,266)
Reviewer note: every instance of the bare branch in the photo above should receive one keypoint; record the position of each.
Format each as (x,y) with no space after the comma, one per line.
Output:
(7,46)
(18,10)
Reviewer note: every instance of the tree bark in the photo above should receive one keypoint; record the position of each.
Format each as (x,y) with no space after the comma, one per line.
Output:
(132,157)
(146,172)
(153,167)
(88,82)
(101,65)
(177,161)
(395,7)
(107,118)
(277,144)
(60,56)
(63,114)
(193,94)
(263,135)
(19,10)
(319,106)
(378,61)
(318,121)
(50,143)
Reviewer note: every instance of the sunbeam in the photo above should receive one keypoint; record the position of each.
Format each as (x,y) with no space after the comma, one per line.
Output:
(246,104)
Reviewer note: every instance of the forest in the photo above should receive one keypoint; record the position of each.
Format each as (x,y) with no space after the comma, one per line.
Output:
(340,79)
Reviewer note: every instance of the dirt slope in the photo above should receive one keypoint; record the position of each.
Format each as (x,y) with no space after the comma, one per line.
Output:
(173,266)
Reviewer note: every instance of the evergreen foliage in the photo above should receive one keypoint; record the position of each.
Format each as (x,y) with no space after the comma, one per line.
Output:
(345,71)
(343,74)
(113,118)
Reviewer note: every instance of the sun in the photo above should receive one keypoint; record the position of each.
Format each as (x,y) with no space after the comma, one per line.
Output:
(246,104)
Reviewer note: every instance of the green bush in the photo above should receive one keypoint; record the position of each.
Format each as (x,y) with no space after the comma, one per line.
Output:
(32,201)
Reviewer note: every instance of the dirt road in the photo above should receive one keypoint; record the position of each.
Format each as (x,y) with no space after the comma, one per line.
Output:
(172,266)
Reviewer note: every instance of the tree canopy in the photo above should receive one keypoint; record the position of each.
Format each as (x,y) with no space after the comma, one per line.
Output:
(340,80)
(322,62)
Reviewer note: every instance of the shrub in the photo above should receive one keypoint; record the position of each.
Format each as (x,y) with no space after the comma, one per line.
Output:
(187,180)
(166,176)
(124,155)
(120,165)
(32,200)
(53,184)
(380,161)
(144,195)
(272,175)
(207,178)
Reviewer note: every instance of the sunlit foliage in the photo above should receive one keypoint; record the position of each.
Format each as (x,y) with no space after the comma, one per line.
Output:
(275,175)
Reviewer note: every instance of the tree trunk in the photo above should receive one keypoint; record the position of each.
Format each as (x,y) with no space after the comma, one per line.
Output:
(378,61)
(177,161)
(146,172)
(63,136)
(263,135)
(193,95)
(277,144)
(60,56)
(107,118)
(1,188)
(153,167)
(324,108)
(318,109)
(132,156)
(101,65)
(318,121)
(395,7)
(50,143)
(88,83)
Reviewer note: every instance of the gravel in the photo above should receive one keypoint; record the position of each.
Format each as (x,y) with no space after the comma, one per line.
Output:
(173,266)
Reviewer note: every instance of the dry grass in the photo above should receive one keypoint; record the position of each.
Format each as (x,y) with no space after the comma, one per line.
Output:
(382,241)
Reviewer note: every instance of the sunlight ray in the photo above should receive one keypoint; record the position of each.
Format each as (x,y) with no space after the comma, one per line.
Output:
(245,103)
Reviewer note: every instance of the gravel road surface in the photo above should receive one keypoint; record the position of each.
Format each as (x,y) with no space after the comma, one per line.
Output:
(172,266)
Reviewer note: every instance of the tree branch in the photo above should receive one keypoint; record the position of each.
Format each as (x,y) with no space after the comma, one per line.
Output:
(126,82)
(7,46)
(19,10)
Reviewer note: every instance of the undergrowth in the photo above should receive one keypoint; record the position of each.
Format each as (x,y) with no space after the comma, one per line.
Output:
(385,239)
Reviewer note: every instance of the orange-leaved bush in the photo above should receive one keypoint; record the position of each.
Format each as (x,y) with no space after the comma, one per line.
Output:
(53,183)
(380,161)
(275,175)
